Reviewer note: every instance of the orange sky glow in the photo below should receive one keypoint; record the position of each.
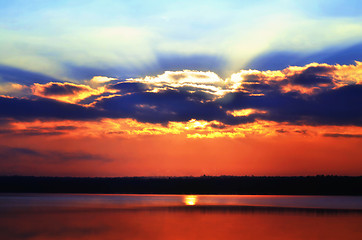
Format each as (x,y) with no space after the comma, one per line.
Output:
(151,133)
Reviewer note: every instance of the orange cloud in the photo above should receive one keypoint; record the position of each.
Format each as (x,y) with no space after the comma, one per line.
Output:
(66,92)
(128,128)
(14,89)
(245,112)
(306,80)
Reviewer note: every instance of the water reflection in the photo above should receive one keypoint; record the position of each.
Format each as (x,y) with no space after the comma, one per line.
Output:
(190,200)
(87,217)
(122,201)
(182,224)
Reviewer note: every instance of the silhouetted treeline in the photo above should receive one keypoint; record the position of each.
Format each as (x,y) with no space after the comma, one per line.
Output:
(311,185)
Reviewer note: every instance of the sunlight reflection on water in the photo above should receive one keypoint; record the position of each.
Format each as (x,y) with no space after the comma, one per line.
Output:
(99,216)
(190,200)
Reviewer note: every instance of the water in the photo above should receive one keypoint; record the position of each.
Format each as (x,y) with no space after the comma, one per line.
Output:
(96,216)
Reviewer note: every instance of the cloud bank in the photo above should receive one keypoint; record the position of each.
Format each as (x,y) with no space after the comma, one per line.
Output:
(312,95)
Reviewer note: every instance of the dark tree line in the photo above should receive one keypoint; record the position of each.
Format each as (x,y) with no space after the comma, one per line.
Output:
(310,185)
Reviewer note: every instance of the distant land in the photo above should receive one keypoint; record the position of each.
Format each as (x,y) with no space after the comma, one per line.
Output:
(306,185)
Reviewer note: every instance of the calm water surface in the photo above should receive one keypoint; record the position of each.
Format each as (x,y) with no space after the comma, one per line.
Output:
(96,216)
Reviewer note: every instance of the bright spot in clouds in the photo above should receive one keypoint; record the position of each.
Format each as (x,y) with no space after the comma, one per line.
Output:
(102,79)
(245,112)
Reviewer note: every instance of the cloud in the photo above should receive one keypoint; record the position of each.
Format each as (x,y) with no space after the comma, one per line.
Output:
(67,128)
(58,89)
(129,87)
(14,89)
(41,108)
(299,95)
(313,76)
(101,79)
(162,106)
(342,135)
(339,106)
(24,130)
(68,92)
(8,153)
(316,94)
(308,79)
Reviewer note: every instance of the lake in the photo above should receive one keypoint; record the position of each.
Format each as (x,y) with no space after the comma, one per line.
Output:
(120,216)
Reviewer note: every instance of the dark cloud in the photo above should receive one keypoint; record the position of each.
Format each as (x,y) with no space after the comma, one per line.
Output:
(202,93)
(312,76)
(304,132)
(60,89)
(13,152)
(339,135)
(8,153)
(261,88)
(281,131)
(162,107)
(42,108)
(218,125)
(30,132)
(77,156)
(65,128)
(5,122)
(259,91)
(129,87)
(37,131)
(6,131)
(340,106)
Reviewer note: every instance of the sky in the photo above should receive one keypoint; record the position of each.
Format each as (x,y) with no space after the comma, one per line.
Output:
(180,88)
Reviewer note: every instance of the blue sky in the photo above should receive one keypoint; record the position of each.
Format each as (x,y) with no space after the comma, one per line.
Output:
(75,40)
